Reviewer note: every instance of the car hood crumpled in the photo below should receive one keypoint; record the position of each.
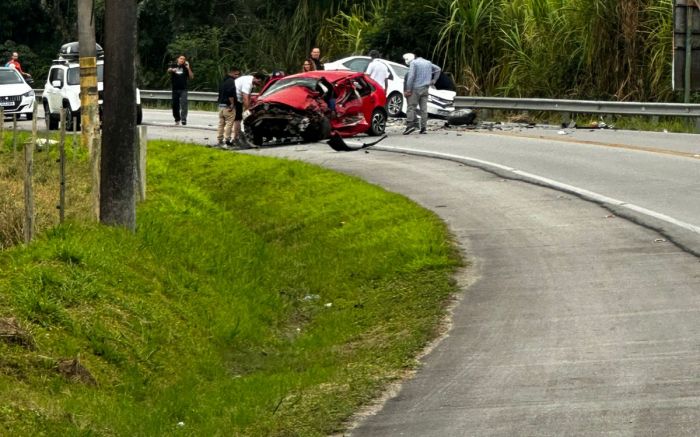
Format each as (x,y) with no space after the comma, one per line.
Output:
(299,98)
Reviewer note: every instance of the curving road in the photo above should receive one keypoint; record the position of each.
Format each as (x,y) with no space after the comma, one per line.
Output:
(572,320)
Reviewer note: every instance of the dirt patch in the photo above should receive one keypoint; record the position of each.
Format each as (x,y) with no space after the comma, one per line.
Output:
(72,370)
(11,332)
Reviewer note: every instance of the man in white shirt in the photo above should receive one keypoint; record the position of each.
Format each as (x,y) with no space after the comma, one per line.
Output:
(244,88)
(378,70)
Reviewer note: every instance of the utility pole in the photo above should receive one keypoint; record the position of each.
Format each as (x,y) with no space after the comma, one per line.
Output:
(89,99)
(118,166)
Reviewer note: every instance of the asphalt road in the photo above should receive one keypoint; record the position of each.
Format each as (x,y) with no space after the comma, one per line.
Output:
(572,320)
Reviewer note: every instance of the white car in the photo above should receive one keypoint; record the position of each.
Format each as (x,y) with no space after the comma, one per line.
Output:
(440,102)
(16,97)
(62,88)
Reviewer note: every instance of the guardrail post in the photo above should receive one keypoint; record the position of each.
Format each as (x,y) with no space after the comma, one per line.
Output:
(697,125)
(565,119)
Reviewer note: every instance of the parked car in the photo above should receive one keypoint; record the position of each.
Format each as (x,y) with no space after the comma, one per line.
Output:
(316,105)
(62,88)
(16,96)
(440,102)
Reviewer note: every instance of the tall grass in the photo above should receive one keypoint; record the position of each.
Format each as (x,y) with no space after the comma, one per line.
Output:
(46,187)
(257,297)
(610,49)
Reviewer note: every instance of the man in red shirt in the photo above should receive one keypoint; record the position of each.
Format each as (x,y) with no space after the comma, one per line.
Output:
(14,63)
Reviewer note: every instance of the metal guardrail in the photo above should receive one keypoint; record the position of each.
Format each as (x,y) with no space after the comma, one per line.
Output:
(195,96)
(580,106)
(513,104)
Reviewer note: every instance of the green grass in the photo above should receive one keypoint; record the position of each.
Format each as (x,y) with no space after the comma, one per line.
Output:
(257,297)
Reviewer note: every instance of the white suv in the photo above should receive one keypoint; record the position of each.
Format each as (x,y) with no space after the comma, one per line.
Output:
(62,88)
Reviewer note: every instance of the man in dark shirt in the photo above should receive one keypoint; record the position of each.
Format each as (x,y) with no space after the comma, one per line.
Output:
(227,107)
(180,74)
(316,57)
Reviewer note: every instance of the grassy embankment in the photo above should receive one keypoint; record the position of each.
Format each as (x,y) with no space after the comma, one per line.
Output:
(257,297)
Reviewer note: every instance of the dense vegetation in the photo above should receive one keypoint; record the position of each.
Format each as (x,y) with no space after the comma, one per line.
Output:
(606,49)
(257,297)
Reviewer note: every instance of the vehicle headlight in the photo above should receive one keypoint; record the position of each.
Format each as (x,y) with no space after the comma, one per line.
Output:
(29,93)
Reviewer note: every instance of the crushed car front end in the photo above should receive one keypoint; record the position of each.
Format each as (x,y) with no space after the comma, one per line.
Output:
(269,120)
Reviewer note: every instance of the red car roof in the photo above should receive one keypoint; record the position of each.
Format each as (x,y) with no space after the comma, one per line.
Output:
(330,75)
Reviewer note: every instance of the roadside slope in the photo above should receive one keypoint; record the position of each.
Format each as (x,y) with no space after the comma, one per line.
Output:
(580,323)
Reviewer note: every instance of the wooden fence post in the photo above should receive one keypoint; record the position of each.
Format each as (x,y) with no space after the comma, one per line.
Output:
(28,187)
(95,150)
(14,134)
(62,168)
(141,151)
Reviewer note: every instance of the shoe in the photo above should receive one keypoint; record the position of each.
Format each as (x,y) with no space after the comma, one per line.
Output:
(422,131)
(184,122)
(229,143)
(177,122)
(409,129)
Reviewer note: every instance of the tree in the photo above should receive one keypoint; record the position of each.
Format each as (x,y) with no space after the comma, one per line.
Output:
(117,190)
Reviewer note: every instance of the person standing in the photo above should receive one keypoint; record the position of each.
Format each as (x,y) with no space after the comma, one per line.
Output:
(227,107)
(421,75)
(14,63)
(244,88)
(378,70)
(180,74)
(309,65)
(316,57)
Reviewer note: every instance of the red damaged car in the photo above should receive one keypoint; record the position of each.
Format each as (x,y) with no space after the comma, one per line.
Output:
(317,105)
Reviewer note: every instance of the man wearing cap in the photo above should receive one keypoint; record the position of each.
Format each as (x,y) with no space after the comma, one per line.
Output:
(421,75)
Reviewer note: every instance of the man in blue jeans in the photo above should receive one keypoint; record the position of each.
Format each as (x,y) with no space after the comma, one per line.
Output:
(421,75)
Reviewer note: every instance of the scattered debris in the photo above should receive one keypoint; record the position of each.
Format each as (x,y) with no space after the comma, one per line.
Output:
(309,297)
(339,145)
(11,332)
(461,117)
(660,240)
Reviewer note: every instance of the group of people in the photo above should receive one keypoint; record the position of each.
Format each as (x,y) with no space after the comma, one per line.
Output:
(313,62)
(235,90)
(233,99)
(421,75)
